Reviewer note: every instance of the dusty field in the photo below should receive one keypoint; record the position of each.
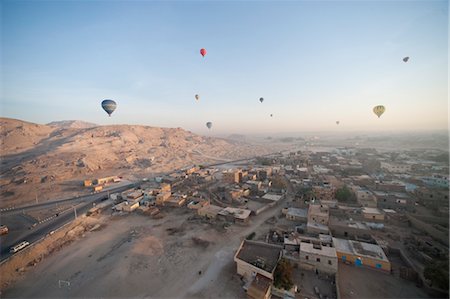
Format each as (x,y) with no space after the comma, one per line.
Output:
(355,282)
(136,256)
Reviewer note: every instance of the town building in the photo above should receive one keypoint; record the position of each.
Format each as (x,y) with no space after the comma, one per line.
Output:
(254,258)
(318,213)
(296,214)
(234,214)
(361,254)
(260,288)
(209,211)
(396,167)
(317,257)
(372,214)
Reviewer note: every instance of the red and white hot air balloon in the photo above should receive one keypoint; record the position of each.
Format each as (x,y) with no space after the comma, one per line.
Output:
(203,52)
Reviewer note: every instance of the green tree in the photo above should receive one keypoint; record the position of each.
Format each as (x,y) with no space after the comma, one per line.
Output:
(283,275)
(345,194)
(437,272)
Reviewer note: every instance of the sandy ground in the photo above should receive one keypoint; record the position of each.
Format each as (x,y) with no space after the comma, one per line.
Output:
(356,282)
(137,256)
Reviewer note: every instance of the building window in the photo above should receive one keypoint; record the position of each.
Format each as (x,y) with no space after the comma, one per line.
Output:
(329,262)
(318,259)
(306,257)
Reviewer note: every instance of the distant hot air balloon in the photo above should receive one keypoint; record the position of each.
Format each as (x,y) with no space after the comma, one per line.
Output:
(209,125)
(261,100)
(203,52)
(378,110)
(406,59)
(109,106)
(337,122)
(197,97)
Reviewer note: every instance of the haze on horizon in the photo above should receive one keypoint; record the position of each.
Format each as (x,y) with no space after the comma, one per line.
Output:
(313,62)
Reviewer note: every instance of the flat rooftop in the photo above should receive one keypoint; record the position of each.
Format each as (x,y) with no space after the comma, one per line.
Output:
(371,211)
(319,250)
(212,209)
(360,249)
(236,212)
(319,210)
(260,254)
(272,197)
(298,212)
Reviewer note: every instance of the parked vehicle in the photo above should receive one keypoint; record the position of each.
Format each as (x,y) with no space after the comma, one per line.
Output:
(19,246)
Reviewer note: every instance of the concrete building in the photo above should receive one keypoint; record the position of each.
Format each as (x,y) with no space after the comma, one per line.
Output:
(373,214)
(198,203)
(437,180)
(209,211)
(364,197)
(260,288)
(317,228)
(396,167)
(318,214)
(163,197)
(323,193)
(395,200)
(318,257)
(254,258)
(234,214)
(296,214)
(361,254)
(273,197)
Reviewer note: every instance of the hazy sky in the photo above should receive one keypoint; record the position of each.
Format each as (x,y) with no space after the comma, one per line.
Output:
(313,62)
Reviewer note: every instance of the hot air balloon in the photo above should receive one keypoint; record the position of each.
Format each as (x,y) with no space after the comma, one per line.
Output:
(109,106)
(261,100)
(209,125)
(197,97)
(378,110)
(203,52)
(337,122)
(406,59)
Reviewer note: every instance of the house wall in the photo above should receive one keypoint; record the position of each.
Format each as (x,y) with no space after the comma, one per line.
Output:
(322,266)
(247,270)
(366,261)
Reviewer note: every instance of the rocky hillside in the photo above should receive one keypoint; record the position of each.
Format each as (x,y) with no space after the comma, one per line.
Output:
(52,161)
(76,124)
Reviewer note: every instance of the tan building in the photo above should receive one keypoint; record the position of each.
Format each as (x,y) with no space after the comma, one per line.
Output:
(165,187)
(365,197)
(323,193)
(318,257)
(254,258)
(234,214)
(209,211)
(361,254)
(163,197)
(98,188)
(105,180)
(373,214)
(197,203)
(87,183)
(318,213)
(175,201)
(260,288)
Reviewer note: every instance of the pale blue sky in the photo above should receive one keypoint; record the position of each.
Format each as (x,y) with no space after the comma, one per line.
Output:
(313,62)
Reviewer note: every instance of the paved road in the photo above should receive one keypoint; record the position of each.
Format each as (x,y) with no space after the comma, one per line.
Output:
(73,200)
(82,204)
